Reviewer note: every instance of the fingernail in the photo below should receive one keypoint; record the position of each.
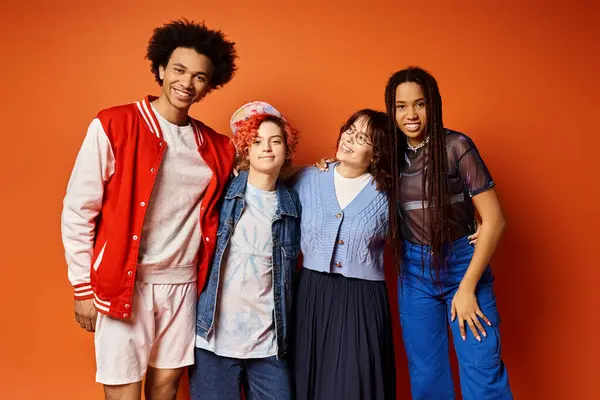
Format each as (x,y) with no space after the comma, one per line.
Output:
(464,338)
(489,324)
(478,338)
(484,334)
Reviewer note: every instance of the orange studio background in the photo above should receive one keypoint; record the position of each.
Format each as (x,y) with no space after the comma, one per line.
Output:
(519,77)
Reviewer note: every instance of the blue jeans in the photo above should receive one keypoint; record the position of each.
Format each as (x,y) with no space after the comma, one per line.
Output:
(425,313)
(213,377)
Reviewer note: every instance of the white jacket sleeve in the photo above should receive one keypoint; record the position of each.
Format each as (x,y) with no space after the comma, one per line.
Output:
(94,165)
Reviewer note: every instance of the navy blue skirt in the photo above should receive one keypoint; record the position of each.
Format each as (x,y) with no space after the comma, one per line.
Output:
(343,345)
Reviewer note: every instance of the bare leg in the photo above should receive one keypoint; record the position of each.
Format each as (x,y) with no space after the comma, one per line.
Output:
(131,391)
(162,384)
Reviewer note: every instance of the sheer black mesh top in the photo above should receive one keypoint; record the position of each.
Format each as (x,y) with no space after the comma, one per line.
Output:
(468,176)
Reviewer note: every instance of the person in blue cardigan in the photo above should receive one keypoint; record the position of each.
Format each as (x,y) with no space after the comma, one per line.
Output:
(343,340)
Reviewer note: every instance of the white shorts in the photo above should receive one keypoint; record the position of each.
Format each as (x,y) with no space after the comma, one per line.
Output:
(161,334)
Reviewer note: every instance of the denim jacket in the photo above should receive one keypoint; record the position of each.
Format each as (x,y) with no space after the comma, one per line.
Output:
(286,247)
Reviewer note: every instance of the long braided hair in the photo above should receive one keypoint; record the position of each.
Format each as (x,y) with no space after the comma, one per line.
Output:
(436,193)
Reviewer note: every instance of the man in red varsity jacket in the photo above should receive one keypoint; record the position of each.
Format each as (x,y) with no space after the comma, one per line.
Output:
(140,216)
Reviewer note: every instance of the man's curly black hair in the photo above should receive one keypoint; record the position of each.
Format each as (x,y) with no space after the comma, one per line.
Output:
(192,35)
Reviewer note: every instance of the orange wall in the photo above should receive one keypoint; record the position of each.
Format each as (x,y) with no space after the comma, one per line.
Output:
(519,78)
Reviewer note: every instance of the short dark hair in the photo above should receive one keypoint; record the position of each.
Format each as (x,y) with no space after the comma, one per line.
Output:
(379,135)
(192,35)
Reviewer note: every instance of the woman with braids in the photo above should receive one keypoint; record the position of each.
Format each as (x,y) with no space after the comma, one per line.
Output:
(343,332)
(440,180)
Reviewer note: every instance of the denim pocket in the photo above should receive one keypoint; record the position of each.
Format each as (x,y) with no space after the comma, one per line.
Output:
(487,352)
(290,251)
(461,254)
(486,299)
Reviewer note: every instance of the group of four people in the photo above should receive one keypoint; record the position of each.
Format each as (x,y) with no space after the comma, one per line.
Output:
(187,243)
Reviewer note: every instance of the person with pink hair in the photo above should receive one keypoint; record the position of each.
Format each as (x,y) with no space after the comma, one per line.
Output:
(243,312)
